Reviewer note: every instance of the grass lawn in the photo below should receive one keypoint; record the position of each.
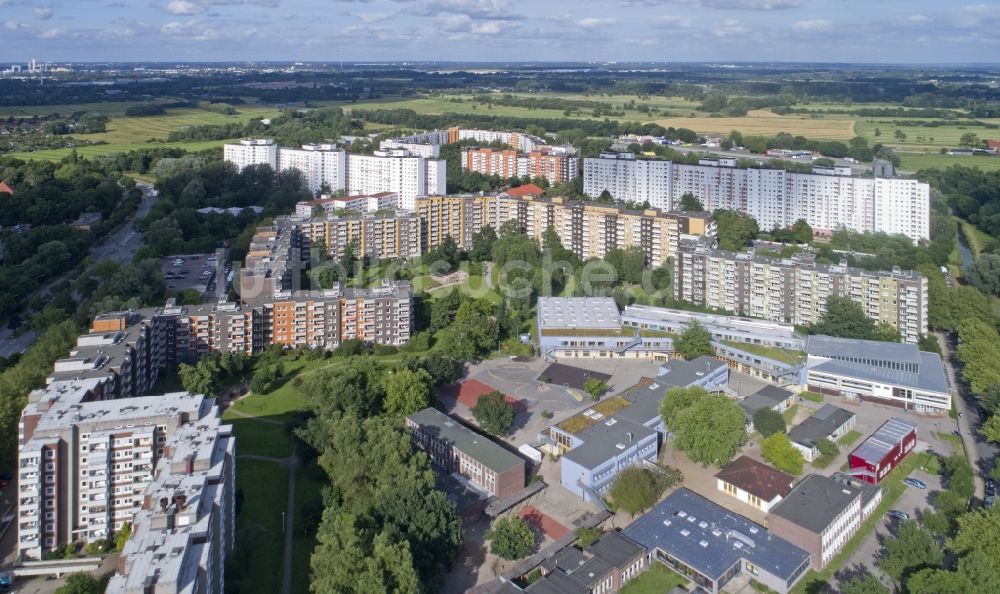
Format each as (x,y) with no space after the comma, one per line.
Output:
(957,445)
(976,238)
(265,490)
(790,414)
(304,542)
(812,397)
(918,161)
(656,580)
(823,461)
(849,438)
(778,354)
(131,133)
(892,488)
(259,438)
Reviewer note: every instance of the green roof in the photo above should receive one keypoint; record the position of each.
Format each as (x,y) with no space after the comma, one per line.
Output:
(581,421)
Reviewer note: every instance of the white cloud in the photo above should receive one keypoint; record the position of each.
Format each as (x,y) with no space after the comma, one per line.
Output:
(728,4)
(812,25)
(372,17)
(593,22)
(13,25)
(184,7)
(730,28)
(43,13)
(919,18)
(53,33)
(672,22)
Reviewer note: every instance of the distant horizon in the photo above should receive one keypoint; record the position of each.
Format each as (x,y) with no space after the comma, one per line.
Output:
(431,62)
(627,31)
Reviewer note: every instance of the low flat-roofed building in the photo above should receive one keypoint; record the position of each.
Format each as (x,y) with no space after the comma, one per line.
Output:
(820,515)
(704,372)
(754,482)
(457,448)
(725,328)
(777,399)
(604,566)
(711,545)
(883,372)
(829,422)
(883,450)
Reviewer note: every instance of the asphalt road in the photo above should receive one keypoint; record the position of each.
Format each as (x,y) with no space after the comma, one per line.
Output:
(120,246)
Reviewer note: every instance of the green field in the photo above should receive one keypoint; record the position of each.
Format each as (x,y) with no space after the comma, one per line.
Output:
(974,236)
(922,147)
(106,107)
(655,580)
(131,133)
(265,493)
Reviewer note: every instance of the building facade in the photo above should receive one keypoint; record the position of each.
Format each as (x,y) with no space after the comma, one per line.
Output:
(456,448)
(883,450)
(795,290)
(890,373)
(556,164)
(754,483)
(826,199)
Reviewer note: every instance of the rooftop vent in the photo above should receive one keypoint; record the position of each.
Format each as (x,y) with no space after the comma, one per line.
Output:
(685,532)
(703,543)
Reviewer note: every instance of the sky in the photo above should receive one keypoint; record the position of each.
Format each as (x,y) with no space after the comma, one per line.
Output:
(903,31)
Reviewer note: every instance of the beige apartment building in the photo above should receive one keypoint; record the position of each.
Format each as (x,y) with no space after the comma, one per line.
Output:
(795,290)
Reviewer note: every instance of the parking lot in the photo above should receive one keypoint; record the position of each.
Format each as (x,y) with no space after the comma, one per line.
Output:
(198,272)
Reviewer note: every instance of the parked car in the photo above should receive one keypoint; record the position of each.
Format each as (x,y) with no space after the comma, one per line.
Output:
(991,487)
(5,478)
(897,515)
(915,483)
(989,501)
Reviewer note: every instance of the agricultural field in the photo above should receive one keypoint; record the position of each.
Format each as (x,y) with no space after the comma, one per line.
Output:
(126,133)
(922,145)
(765,123)
(109,108)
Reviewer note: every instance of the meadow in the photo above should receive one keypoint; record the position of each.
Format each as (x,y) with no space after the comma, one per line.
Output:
(125,133)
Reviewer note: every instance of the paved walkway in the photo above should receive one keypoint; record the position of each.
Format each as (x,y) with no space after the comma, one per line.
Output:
(979,452)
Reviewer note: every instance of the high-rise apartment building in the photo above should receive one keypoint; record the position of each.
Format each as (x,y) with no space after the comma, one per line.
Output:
(252,151)
(828,199)
(556,164)
(86,459)
(320,164)
(386,236)
(795,290)
(396,170)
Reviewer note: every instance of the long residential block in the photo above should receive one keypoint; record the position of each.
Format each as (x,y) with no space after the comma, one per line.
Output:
(795,290)
(456,448)
(774,197)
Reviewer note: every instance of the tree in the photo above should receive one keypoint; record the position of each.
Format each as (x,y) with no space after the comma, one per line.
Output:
(595,388)
(493,413)
(984,273)
(977,532)
(938,581)
(863,584)
(407,392)
(827,448)
(779,451)
(633,490)
(969,139)
(348,257)
(984,575)
(768,421)
(511,538)
(429,522)
(690,203)
(676,400)
(734,229)
(482,244)
(122,536)
(846,319)
(991,429)
(587,536)
(801,231)
(82,583)
(711,430)
(913,549)
(694,342)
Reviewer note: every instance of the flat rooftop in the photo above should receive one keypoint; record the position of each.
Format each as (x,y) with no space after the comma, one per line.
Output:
(711,539)
(479,447)
(578,312)
(815,502)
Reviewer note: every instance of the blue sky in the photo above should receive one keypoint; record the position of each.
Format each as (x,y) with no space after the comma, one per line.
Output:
(501,30)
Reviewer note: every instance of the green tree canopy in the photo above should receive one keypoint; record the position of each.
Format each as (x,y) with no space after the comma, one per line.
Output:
(711,430)
(690,203)
(493,413)
(407,392)
(695,341)
(913,549)
(846,319)
(984,273)
(779,451)
(863,584)
(82,583)
(676,400)
(634,490)
(511,538)
(734,229)
(768,421)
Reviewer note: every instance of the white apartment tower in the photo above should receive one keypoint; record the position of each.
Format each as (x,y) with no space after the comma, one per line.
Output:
(319,163)
(828,199)
(252,151)
(397,171)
